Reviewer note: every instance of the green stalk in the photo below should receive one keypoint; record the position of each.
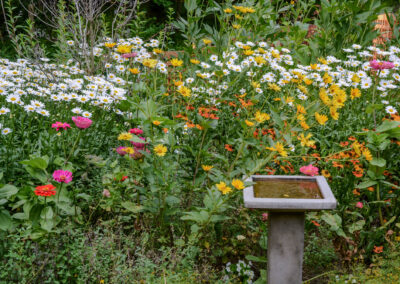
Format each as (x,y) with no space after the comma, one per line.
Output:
(198,156)
(378,197)
(73,147)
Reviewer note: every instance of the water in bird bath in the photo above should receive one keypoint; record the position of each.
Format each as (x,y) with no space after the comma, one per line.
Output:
(286,188)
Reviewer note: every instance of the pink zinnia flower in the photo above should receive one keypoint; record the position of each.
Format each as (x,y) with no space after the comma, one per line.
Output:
(139,145)
(121,150)
(129,55)
(359,205)
(58,125)
(264,216)
(62,176)
(136,131)
(309,170)
(82,122)
(380,65)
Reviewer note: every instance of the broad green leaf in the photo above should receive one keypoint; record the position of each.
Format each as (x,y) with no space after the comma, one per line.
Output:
(47,224)
(132,207)
(7,191)
(172,200)
(5,221)
(387,125)
(47,213)
(20,216)
(356,226)
(37,162)
(378,162)
(366,184)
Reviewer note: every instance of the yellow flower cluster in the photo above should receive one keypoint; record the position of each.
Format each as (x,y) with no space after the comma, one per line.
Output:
(160,150)
(151,63)
(224,188)
(176,62)
(124,48)
(260,117)
(125,136)
(278,148)
(184,91)
(305,140)
(244,10)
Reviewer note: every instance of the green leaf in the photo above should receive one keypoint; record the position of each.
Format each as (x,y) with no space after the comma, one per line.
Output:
(34,213)
(47,213)
(5,221)
(172,200)
(7,191)
(47,224)
(391,184)
(335,222)
(132,207)
(378,162)
(66,208)
(37,173)
(37,162)
(356,226)
(20,216)
(219,218)
(124,105)
(387,125)
(388,222)
(366,184)
(256,258)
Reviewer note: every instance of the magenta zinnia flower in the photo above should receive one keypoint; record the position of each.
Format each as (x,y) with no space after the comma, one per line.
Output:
(58,125)
(135,131)
(309,170)
(82,122)
(380,65)
(62,176)
(139,145)
(121,150)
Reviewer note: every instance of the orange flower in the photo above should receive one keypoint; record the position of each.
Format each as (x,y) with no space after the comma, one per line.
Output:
(315,223)
(356,192)
(359,172)
(337,165)
(371,189)
(228,148)
(207,168)
(378,249)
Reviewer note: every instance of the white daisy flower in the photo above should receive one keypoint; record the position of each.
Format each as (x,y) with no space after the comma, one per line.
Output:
(6,131)
(390,110)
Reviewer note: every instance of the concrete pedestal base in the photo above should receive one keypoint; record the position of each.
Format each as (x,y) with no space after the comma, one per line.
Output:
(285,247)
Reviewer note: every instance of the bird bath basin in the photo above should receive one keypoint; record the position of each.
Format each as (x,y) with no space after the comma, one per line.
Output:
(287,198)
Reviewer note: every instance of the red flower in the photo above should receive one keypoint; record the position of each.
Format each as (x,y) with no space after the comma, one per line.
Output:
(228,148)
(378,249)
(124,178)
(45,190)
(315,223)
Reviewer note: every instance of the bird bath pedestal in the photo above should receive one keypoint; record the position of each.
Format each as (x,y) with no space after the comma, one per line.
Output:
(287,198)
